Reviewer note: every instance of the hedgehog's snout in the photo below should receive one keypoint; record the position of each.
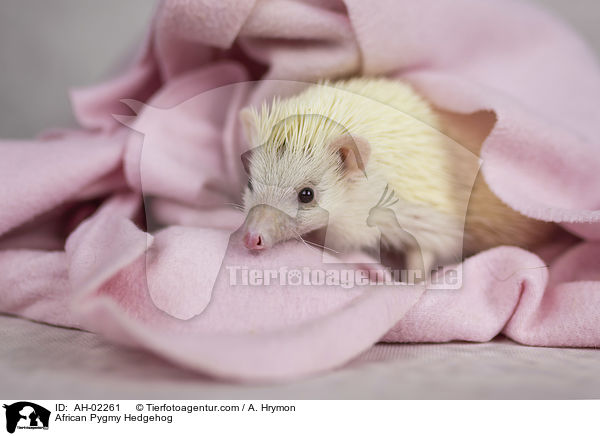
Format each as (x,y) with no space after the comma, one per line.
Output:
(265,226)
(253,240)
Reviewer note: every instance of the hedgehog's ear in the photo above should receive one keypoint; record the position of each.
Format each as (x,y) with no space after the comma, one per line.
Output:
(354,152)
(248,124)
(246,160)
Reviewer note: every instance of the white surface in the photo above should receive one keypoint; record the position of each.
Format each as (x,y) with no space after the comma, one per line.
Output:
(38,361)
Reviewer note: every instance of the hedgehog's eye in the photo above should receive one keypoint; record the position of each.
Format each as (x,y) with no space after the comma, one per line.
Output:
(250,185)
(306,195)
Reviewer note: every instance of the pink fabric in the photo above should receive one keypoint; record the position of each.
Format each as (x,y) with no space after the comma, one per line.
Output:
(168,291)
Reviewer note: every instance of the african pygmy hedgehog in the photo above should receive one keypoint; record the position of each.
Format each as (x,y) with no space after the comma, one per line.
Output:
(344,148)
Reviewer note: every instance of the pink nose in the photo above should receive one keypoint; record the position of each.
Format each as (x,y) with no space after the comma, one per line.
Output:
(254,241)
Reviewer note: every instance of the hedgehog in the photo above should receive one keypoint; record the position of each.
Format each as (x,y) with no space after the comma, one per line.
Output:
(374,166)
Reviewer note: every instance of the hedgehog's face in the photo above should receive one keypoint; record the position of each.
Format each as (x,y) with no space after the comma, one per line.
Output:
(286,196)
(291,192)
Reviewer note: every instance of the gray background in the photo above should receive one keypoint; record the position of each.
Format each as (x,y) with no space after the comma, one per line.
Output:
(48,46)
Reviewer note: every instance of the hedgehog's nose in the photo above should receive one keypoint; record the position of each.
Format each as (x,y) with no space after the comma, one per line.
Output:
(254,241)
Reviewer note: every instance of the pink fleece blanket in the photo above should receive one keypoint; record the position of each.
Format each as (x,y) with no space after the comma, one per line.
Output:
(72,251)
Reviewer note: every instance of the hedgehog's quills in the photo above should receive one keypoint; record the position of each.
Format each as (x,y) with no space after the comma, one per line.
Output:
(364,159)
